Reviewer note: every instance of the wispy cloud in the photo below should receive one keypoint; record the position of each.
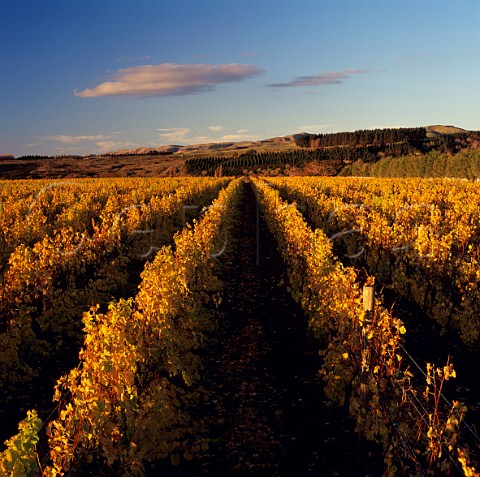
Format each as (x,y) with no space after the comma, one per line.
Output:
(67,139)
(104,146)
(187,136)
(332,77)
(169,79)
(240,135)
(174,135)
(95,143)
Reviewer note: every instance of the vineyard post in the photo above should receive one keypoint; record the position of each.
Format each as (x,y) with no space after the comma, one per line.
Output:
(368,306)
(368,298)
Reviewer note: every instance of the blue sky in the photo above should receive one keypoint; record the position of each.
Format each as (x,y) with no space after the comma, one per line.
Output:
(99,75)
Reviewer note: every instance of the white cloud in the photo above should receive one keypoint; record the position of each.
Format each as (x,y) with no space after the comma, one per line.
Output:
(201,139)
(187,136)
(104,146)
(94,143)
(239,136)
(174,135)
(66,139)
(169,79)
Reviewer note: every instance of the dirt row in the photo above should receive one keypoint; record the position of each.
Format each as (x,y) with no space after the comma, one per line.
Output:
(270,416)
(268,413)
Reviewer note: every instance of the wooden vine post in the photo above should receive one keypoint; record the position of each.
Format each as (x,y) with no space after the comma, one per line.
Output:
(368,298)
(368,306)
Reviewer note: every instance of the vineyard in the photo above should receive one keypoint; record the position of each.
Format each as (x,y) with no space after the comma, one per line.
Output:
(239,326)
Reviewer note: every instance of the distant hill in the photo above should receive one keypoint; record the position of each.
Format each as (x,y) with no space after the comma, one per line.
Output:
(286,143)
(275,144)
(329,154)
(438,130)
(300,153)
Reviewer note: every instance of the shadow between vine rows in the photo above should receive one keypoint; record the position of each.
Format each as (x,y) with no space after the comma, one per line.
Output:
(267,412)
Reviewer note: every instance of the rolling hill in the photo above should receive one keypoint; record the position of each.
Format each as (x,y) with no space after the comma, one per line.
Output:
(300,153)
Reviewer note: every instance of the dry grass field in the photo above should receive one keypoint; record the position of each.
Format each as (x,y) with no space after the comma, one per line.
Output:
(97,166)
(142,163)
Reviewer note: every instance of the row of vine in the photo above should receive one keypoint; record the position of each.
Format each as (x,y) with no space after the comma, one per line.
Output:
(132,399)
(420,238)
(364,367)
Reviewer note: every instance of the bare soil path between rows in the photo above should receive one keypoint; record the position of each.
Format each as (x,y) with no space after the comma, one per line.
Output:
(268,412)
